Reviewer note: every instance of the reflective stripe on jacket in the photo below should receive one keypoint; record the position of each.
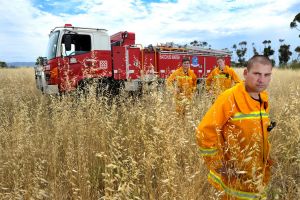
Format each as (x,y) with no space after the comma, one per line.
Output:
(220,80)
(233,135)
(214,178)
(184,83)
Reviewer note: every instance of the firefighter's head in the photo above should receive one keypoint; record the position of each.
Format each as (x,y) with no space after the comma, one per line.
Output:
(221,62)
(185,63)
(257,74)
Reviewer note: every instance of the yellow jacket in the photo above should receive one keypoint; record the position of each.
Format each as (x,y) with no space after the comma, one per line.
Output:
(233,135)
(219,81)
(185,84)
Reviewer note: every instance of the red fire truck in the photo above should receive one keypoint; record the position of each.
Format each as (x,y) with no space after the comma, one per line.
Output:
(78,55)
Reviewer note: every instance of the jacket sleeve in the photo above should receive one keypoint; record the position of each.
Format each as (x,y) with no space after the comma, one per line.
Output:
(235,77)
(194,78)
(209,133)
(171,79)
(209,80)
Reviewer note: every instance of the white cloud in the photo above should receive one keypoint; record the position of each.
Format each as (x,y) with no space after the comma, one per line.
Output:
(24,27)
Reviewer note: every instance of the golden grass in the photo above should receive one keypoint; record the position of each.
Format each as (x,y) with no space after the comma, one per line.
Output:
(70,148)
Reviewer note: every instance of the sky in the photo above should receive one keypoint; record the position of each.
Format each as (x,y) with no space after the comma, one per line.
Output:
(25,24)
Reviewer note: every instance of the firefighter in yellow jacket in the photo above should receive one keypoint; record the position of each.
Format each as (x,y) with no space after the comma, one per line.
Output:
(221,78)
(233,135)
(184,82)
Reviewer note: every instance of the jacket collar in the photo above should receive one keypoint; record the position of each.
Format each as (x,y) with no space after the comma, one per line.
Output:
(225,69)
(245,102)
(182,71)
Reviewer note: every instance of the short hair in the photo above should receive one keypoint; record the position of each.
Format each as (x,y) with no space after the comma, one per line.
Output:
(220,58)
(185,59)
(261,59)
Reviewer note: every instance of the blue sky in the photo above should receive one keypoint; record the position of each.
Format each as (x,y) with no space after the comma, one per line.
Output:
(25,24)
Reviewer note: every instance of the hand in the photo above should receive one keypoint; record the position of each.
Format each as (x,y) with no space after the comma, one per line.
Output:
(229,172)
(222,170)
(209,91)
(178,91)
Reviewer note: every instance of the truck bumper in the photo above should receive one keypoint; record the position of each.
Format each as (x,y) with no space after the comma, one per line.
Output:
(134,85)
(42,85)
(51,89)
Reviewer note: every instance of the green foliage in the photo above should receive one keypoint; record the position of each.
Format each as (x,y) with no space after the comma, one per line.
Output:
(268,51)
(199,43)
(40,60)
(3,64)
(284,54)
(240,52)
(297,49)
(296,20)
(266,42)
(255,51)
(294,65)
(294,24)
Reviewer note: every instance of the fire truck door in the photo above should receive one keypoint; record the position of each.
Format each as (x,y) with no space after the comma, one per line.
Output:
(73,62)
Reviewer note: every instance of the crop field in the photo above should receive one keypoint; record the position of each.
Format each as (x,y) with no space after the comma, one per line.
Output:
(125,148)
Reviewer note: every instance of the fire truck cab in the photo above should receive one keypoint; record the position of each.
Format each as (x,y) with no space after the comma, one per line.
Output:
(75,54)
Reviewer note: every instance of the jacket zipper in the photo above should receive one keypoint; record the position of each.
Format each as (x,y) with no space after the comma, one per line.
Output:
(262,129)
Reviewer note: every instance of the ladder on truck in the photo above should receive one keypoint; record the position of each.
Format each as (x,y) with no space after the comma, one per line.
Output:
(193,50)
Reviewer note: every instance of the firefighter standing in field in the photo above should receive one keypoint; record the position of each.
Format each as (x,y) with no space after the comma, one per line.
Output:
(184,82)
(221,78)
(233,135)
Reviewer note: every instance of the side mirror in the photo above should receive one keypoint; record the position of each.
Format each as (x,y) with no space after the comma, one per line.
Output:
(125,34)
(63,50)
(68,42)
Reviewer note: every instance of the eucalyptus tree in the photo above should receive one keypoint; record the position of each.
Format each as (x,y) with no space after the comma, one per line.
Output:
(241,52)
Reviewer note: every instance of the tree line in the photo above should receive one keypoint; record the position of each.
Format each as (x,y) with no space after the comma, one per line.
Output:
(3,64)
(240,49)
(284,52)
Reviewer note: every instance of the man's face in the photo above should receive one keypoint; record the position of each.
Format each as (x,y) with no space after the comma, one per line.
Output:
(257,79)
(221,63)
(186,65)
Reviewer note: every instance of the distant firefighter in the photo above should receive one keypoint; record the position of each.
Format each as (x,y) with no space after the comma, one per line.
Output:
(184,82)
(221,78)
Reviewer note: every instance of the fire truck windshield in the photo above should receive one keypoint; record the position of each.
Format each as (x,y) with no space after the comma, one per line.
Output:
(52,45)
(80,44)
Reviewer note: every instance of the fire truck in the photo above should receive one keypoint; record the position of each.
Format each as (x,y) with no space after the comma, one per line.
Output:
(77,56)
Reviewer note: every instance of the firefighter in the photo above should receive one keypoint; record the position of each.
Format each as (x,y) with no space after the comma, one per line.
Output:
(184,82)
(221,78)
(233,135)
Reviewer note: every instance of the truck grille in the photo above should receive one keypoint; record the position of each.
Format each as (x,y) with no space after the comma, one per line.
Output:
(47,76)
